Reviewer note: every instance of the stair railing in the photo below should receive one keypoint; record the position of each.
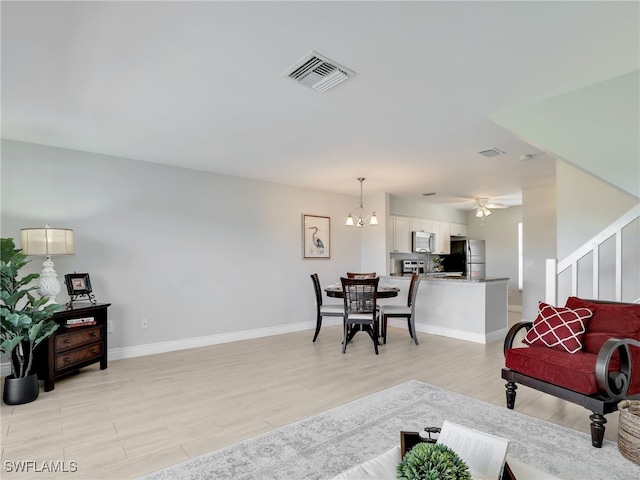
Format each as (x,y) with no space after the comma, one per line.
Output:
(554,267)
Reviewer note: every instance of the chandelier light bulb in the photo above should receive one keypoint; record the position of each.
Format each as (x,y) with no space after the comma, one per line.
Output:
(361,218)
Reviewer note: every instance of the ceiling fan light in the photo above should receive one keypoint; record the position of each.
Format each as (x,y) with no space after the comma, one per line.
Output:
(482,211)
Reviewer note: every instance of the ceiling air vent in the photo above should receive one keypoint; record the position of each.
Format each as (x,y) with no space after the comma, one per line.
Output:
(318,72)
(492,152)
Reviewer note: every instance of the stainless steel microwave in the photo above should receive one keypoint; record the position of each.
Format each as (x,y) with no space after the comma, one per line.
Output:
(423,242)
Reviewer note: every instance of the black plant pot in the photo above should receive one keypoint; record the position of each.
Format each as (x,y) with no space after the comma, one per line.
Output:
(20,390)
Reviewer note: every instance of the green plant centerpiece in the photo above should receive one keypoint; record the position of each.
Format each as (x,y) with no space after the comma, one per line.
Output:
(432,461)
(437,264)
(26,320)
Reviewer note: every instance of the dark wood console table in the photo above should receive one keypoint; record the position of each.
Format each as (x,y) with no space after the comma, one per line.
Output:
(71,348)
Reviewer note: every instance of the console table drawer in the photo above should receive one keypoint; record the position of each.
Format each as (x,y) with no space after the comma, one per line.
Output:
(80,337)
(79,355)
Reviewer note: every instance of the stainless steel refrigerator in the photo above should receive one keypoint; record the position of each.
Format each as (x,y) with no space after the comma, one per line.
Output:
(467,256)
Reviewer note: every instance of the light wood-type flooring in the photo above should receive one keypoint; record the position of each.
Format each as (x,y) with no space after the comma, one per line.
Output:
(146,413)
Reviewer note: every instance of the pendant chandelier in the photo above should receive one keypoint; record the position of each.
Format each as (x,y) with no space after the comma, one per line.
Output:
(357,217)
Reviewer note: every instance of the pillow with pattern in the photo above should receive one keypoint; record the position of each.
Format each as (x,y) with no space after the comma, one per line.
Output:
(560,328)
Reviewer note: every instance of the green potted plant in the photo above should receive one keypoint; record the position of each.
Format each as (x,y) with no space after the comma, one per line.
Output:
(437,264)
(432,461)
(25,323)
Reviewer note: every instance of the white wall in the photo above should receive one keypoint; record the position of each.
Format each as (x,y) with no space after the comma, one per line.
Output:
(421,208)
(198,254)
(539,244)
(374,246)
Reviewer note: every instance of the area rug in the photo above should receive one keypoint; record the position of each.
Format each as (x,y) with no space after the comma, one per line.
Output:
(322,446)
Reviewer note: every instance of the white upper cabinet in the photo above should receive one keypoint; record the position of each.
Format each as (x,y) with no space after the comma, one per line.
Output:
(401,234)
(459,229)
(421,225)
(443,240)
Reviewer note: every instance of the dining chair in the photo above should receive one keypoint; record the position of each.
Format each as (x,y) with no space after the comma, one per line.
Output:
(361,275)
(360,296)
(329,310)
(400,311)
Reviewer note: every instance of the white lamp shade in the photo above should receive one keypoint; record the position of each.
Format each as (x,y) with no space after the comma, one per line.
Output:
(47,241)
(374,219)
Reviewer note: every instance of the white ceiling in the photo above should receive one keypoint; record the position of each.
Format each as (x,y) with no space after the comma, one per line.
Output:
(199,85)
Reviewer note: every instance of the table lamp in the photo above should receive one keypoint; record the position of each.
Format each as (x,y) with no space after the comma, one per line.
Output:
(47,241)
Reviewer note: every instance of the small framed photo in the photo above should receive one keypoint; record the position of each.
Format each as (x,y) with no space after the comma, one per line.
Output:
(78,283)
(316,236)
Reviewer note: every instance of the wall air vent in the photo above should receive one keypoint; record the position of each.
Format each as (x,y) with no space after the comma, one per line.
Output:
(492,152)
(318,72)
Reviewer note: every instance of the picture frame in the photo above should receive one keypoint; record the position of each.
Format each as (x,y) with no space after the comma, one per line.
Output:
(78,284)
(316,236)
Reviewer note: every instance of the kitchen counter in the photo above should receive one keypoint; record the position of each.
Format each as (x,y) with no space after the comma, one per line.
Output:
(450,278)
(455,306)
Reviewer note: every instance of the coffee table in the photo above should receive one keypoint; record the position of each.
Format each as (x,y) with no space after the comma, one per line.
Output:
(384,466)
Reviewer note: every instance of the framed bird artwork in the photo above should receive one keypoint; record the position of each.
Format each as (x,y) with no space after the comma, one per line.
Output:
(316,236)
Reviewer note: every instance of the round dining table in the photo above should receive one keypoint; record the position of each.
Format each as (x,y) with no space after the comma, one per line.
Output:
(384,291)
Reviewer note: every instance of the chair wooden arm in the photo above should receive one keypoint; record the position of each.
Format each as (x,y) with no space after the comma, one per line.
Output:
(615,384)
(513,331)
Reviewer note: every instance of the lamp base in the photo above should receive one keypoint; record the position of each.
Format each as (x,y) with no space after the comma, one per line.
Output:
(49,286)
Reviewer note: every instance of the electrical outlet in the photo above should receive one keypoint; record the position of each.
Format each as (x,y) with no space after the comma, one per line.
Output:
(109,326)
(144,323)
(439,310)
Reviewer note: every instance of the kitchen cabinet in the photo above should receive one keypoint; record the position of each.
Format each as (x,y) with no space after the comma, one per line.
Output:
(443,238)
(401,234)
(421,225)
(459,229)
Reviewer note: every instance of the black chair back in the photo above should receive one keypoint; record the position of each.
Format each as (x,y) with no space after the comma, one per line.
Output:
(360,295)
(413,289)
(316,289)
(360,308)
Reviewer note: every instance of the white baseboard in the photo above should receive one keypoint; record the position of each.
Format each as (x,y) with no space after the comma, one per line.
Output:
(453,333)
(172,346)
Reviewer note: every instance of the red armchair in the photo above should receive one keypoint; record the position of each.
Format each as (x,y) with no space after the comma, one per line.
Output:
(604,371)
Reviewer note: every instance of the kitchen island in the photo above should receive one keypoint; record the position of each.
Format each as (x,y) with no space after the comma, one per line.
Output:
(457,307)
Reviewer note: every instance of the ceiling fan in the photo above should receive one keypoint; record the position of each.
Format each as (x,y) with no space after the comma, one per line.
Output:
(482,207)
